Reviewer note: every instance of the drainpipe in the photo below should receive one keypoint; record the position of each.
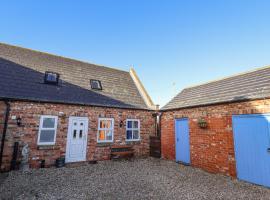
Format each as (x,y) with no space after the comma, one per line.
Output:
(4,132)
(159,124)
(157,116)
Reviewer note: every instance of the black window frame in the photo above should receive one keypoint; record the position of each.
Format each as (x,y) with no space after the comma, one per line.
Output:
(51,82)
(94,88)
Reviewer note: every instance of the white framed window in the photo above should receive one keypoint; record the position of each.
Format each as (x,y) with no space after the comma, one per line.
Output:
(133,130)
(105,130)
(47,130)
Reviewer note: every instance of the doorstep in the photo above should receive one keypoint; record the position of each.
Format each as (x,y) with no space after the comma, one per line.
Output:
(79,164)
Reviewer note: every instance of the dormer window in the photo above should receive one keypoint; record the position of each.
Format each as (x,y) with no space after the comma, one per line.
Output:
(51,78)
(95,84)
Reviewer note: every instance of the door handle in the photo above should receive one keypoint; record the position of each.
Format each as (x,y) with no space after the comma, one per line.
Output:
(177,139)
(268,150)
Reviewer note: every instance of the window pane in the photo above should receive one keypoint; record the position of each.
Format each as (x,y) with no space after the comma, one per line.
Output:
(46,136)
(108,124)
(129,124)
(81,132)
(74,133)
(108,135)
(102,124)
(95,84)
(48,122)
(105,124)
(135,124)
(135,135)
(101,135)
(51,77)
(129,135)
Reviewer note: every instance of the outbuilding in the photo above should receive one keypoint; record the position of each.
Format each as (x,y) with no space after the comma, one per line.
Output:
(222,126)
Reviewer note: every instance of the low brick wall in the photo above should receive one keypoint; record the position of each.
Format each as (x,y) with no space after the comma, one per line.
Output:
(30,113)
(212,149)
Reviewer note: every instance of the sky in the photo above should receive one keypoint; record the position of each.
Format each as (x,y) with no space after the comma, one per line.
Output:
(172,44)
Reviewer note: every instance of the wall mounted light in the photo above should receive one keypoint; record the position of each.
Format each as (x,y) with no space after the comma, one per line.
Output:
(121,124)
(19,121)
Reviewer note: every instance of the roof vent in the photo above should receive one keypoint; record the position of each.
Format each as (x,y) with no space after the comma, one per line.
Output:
(95,84)
(51,78)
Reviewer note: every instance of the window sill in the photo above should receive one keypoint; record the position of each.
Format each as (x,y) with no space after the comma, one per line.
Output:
(45,144)
(104,144)
(133,141)
(48,147)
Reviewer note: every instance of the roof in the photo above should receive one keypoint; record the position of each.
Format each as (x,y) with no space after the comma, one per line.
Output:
(22,77)
(246,86)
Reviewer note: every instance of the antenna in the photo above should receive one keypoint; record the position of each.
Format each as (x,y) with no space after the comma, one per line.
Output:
(174,88)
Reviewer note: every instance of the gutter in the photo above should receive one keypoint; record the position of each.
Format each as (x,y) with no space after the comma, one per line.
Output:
(4,132)
(73,103)
(213,104)
(157,115)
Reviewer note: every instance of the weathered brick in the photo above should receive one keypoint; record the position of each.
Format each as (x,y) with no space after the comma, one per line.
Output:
(30,113)
(211,149)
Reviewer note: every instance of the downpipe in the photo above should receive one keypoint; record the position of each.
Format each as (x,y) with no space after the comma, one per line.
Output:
(4,133)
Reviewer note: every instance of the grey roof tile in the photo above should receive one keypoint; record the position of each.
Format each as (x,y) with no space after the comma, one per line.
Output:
(22,73)
(247,86)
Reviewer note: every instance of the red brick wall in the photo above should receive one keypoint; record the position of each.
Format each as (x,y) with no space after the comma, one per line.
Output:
(2,114)
(28,132)
(211,149)
(2,118)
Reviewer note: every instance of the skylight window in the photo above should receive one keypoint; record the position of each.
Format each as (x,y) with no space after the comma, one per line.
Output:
(95,84)
(51,78)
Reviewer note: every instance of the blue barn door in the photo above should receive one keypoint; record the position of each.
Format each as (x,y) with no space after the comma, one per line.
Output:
(252,148)
(182,149)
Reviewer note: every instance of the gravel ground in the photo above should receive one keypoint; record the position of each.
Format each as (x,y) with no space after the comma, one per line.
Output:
(139,179)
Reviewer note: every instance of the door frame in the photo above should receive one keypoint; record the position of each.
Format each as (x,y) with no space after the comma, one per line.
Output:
(69,136)
(175,140)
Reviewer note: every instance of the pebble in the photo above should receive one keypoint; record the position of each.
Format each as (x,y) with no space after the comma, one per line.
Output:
(137,179)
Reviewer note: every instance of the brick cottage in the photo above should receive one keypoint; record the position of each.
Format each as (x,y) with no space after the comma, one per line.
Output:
(62,107)
(222,126)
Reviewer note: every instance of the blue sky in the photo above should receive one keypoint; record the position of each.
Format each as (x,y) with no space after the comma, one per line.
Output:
(171,44)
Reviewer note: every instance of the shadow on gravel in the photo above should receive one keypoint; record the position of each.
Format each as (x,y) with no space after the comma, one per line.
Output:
(3,177)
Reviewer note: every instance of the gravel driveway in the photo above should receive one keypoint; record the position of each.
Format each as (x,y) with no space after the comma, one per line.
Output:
(139,179)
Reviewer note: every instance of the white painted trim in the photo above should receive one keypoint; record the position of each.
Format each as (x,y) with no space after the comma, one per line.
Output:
(133,129)
(147,99)
(112,129)
(69,135)
(41,128)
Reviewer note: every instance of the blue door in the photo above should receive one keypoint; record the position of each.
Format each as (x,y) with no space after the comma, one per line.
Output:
(182,149)
(252,148)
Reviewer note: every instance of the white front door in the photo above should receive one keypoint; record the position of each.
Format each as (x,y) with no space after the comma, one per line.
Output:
(77,139)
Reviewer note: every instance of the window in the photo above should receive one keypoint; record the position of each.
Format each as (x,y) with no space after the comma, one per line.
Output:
(47,130)
(105,129)
(51,78)
(133,130)
(95,84)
